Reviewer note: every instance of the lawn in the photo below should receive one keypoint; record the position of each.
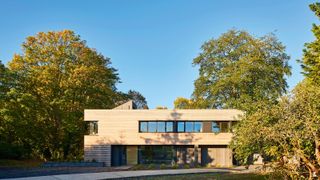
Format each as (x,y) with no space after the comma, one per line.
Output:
(211,176)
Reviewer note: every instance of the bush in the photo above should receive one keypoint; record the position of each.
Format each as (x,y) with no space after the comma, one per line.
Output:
(175,166)
(12,151)
(186,166)
(138,167)
(151,166)
(163,166)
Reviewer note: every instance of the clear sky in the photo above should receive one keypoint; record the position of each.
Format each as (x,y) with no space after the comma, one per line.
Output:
(152,43)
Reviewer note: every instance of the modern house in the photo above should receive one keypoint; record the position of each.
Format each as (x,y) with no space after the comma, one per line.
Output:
(128,136)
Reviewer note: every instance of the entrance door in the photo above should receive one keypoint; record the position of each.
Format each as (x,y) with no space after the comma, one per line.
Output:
(118,155)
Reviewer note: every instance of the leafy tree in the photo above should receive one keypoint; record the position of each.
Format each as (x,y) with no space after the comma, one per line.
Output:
(183,103)
(311,53)
(238,70)
(58,76)
(287,133)
(138,99)
(161,107)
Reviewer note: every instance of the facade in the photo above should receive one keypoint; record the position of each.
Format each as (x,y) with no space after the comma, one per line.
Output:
(127,136)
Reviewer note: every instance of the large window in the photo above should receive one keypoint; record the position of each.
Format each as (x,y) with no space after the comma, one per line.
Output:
(221,126)
(197,126)
(185,126)
(169,126)
(92,127)
(181,126)
(189,126)
(161,126)
(143,127)
(152,126)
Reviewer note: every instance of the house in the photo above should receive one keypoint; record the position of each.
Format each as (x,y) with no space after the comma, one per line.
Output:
(128,136)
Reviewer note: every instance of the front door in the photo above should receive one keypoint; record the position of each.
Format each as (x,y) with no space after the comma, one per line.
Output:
(118,155)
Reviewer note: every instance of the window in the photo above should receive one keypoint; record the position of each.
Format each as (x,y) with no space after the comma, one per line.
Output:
(143,127)
(197,126)
(180,126)
(161,127)
(224,126)
(169,126)
(215,127)
(189,126)
(92,127)
(152,126)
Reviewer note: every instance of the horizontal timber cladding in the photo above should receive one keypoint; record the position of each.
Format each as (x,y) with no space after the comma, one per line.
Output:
(98,152)
(122,127)
(217,156)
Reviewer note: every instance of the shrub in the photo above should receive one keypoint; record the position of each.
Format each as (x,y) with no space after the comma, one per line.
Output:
(186,166)
(175,166)
(151,166)
(163,166)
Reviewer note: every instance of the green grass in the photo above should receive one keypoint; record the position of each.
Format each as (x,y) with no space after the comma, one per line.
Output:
(211,176)
(20,163)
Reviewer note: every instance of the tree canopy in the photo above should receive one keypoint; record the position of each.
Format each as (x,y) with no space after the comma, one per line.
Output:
(311,53)
(57,76)
(238,70)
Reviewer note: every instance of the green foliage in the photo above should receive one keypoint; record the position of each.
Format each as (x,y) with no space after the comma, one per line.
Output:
(238,70)
(163,166)
(183,103)
(138,99)
(286,133)
(56,77)
(311,53)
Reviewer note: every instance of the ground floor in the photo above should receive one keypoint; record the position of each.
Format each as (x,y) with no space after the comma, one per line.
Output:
(213,155)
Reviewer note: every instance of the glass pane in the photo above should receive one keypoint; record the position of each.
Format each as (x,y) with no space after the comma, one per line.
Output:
(143,127)
(152,126)
(92,127)
(197,126)
(169,127)
(224,126)
(215,127)
(161,127)
(189,126)
(180,126)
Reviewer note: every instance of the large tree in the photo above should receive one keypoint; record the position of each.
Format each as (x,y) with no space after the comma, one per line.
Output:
(311,53)
(238,70)
(287,133)
(58,76)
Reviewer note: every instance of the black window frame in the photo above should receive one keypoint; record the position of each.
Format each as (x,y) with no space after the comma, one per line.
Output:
(95,128)
(140,122)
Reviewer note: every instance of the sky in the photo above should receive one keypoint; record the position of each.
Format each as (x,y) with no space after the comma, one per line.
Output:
(152,43)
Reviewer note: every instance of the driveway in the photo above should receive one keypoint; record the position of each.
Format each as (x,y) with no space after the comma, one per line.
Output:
(127,174)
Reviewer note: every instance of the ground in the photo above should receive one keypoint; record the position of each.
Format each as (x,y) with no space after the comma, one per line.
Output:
(211,176)
(31,168)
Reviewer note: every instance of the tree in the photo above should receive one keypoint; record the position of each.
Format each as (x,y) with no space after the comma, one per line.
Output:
(183,103)
(287,133)
(138,99)
(238,70)
(311,53)
(58,76)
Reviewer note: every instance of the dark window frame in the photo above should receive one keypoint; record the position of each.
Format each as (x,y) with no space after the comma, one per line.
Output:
(92,128)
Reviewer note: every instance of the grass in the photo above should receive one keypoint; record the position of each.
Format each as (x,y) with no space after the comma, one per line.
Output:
(19,163)
(211,176)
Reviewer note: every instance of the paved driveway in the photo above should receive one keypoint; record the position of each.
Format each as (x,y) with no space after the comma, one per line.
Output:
(126,174)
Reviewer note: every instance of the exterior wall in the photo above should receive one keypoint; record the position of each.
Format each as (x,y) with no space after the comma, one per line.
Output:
(97,152)
(121,127)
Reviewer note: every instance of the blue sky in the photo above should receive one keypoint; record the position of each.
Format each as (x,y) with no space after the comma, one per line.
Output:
(152,43)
